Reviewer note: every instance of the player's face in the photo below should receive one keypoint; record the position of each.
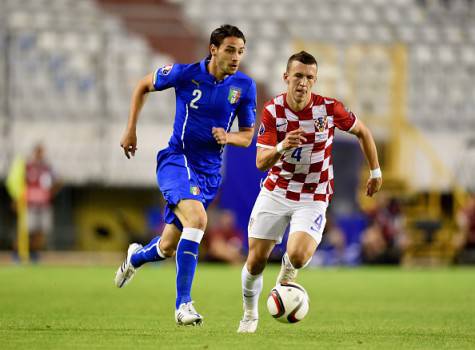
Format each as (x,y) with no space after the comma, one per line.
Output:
(300,79)
(228,55)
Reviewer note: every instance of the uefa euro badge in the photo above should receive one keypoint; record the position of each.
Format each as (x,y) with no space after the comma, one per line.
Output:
(262,129)
(234,94)
(166,69)
(321,123)
(195,190)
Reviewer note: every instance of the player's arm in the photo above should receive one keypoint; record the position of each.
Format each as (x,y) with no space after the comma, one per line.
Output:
(368,147)
(129,139)
(241,138)
(267,156)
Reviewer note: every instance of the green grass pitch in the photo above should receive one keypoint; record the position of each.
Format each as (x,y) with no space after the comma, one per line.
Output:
(368,308)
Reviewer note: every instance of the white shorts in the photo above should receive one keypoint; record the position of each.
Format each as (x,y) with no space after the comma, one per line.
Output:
(40,219)
(272,214)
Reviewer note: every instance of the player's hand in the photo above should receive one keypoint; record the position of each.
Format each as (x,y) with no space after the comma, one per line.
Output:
(129,143)
(220,136)
(373,185)
(294,139)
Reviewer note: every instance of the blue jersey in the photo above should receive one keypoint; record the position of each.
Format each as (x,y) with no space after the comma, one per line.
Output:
(202,103)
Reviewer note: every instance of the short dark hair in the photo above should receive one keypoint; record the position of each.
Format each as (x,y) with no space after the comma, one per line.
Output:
(303,57)
(223,32)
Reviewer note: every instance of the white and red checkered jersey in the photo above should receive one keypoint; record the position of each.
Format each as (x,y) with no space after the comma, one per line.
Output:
(304,173)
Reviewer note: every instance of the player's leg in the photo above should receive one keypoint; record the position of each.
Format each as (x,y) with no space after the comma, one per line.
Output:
(159,248)
(252,281)
(306,229)
(34,232)
(266,227)
(46,227)
(163,246)
(300,249)
(192,215)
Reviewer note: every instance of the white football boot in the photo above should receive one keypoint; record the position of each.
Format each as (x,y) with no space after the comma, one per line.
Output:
(287,272)
(186,315)
(249,322)
(126,271)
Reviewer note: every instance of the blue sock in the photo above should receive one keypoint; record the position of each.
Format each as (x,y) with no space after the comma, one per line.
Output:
(186,261)
(147,254)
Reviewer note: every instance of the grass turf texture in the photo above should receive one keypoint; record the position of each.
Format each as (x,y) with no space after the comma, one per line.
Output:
(368,308)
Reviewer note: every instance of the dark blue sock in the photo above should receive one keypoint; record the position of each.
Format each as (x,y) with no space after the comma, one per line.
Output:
(186,260)
(147,254)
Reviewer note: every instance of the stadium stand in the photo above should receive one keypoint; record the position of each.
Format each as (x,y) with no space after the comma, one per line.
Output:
(71,71)
(433,39)
(67,69)
(66,51)
(3,99)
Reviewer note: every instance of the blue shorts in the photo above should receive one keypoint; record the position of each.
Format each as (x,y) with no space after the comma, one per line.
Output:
(178,180)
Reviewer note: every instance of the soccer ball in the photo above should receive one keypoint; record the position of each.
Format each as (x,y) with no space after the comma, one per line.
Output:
(288,302)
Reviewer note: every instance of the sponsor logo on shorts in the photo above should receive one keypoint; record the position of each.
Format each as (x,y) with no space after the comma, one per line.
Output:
(195,190)
(251,222)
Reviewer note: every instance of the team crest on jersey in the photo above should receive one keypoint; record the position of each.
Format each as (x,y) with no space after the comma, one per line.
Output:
(234,95)
(195,190)
(166,69)
(321,123)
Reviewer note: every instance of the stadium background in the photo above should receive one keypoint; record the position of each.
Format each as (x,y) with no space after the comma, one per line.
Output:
(405,67)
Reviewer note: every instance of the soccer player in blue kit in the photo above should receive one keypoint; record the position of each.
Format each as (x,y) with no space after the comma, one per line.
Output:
(209,95)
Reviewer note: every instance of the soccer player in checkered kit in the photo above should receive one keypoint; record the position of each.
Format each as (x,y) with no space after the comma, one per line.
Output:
(210,94)
(294,143)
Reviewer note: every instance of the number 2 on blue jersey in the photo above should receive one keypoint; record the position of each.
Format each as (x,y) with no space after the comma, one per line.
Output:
(197,93)
(296,154)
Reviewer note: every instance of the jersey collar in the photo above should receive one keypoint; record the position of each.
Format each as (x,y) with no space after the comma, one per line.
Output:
(203,64)
(203,67)
(308,106)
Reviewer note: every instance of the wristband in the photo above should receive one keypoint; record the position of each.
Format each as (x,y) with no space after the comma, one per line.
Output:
(280,147)
(375,173)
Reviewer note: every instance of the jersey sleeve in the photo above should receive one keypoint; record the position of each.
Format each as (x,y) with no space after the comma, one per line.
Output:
(246,111)
(167,76)
(267,134)
(343,118)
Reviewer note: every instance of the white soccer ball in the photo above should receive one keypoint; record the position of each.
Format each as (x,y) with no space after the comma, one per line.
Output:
(288,302)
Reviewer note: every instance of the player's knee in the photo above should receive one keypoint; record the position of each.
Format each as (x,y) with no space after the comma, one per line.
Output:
(198,221)
(255,265)
(299,259)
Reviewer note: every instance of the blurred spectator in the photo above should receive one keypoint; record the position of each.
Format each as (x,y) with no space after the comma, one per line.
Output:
(464,241)
(41,186)
(384,240)
(224,241)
